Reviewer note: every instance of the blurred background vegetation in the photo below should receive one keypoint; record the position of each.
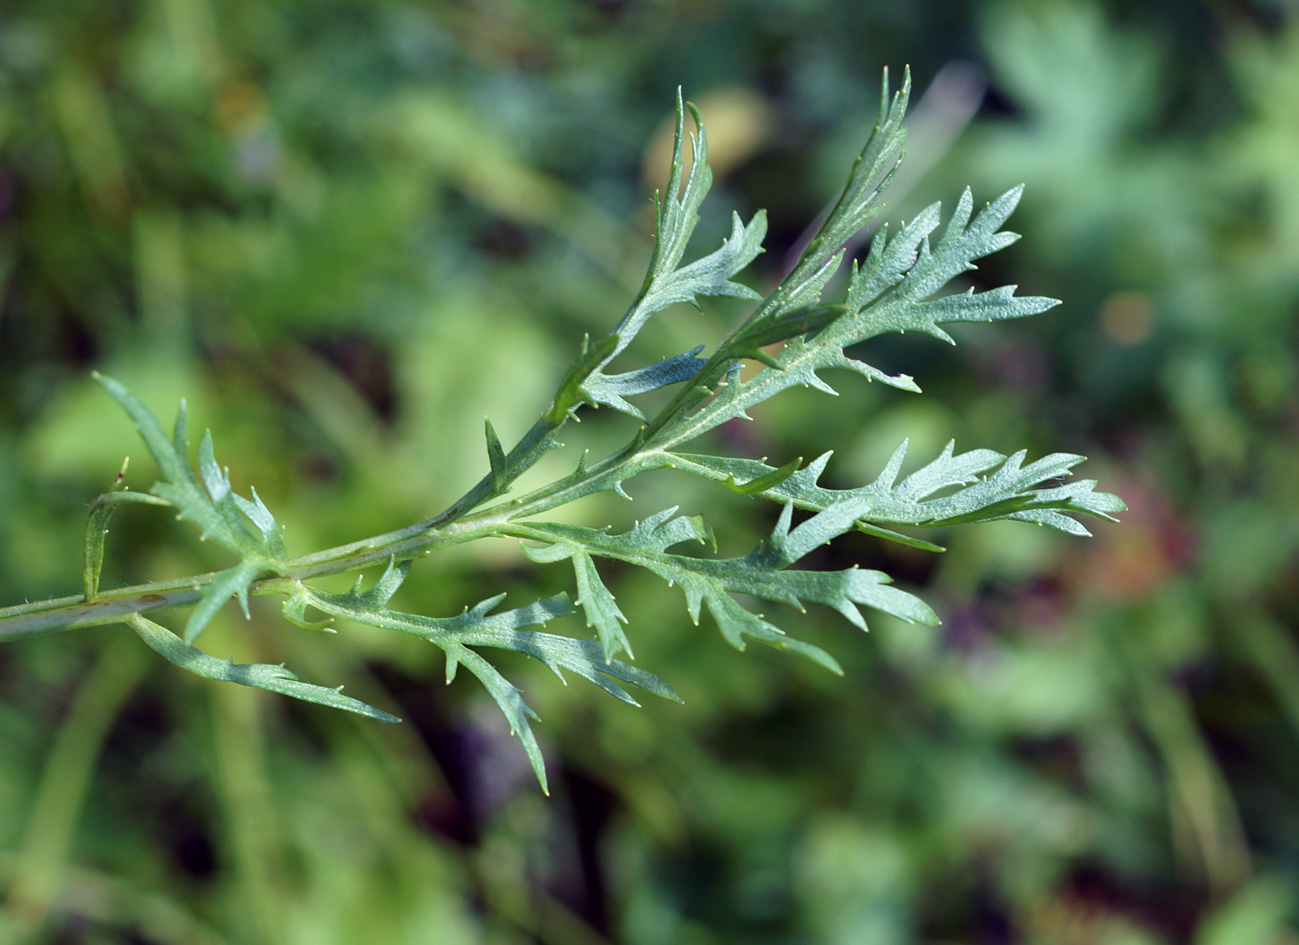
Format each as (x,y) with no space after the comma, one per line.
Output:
(347,230)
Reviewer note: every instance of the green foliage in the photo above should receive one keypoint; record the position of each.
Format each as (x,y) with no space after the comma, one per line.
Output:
(791,333)
(245,527)
(347,231)
(258,675)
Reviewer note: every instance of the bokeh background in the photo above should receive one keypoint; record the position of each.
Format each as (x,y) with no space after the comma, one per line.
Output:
(347,230)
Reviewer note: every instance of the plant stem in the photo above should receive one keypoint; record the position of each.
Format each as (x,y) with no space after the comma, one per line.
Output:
(70,613)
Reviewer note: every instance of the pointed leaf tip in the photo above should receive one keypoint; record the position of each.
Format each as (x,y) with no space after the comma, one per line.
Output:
(495,457)
(268,676)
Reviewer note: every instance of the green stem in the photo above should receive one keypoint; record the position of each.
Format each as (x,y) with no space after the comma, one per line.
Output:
(71,613)
(452,527)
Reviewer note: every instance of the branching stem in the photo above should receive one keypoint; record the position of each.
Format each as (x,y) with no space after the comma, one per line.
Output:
(899,286)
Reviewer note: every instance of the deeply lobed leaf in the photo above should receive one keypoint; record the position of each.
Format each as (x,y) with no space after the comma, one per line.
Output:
(244,526)
(990,487)
(482,626)
(760,574)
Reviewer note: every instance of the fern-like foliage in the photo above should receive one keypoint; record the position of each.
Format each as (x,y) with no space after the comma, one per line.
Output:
(792,332)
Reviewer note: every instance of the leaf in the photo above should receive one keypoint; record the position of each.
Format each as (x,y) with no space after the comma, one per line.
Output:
(517,712)
(764,482)
(592,596)
(480,626)
(710,276)
(892,291)
(749,342)
(258,675)
(233,582)
(1011,491)
(760,574)
(294,611)
(101,513)
(234,510)
(736,624)
(611,390)
(859,202)
(867,528)
(571,391)
(888,296)
(495,458)
(536,443)
(244,526)
(678,207)
(212,508)
(666,281)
